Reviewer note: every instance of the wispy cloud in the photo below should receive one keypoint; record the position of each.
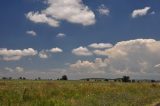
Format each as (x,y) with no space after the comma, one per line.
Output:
(61,35)
(31,32)
(100,45)
(140,12)
(103,10)
(16,69)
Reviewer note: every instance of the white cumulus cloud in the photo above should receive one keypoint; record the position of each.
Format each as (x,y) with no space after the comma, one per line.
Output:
(135,56)
(11,55)
(138,58)
(37,17)
(100,52)
(82,51)
(140,12)
(73,11)
(43,54)
(56,50)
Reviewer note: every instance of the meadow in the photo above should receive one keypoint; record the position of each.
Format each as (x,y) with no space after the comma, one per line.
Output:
(77,93)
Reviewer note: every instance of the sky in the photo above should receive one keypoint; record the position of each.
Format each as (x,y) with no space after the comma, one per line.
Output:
(80,38)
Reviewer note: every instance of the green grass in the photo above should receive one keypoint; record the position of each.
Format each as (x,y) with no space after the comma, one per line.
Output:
(77,93)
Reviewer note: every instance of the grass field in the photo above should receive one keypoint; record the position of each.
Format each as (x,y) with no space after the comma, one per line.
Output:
(77,93)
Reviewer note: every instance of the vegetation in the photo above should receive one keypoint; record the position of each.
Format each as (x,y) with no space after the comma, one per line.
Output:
(77,93)
(64,77)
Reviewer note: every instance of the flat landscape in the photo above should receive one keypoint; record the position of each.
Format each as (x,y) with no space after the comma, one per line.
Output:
(77,93)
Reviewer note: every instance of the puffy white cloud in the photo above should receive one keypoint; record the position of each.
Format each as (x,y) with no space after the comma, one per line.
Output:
(24,52)
(89,69)
(140,12)
(100,52)
(43,54)
(73,11)
(60,35)
(14,55)
(138,58)
(10,55)
(135,56)
(56,50)
(82,51)
(100,45)
(37,17)
(98,63)
(103,10)
(31,32)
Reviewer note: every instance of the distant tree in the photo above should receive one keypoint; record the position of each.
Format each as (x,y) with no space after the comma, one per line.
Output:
(10,78)
(126,79)
(20,78)
(153,81)
(64,77)
(106,79)
(39,78)
(115,80)
(133,81)
(24,78)
(4,78)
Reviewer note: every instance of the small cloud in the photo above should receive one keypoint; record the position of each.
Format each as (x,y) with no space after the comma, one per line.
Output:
(8,69)
(43,54)
(157,66)
(31,32)
(61,35)
(100,45)
(56,50)
(19,69)
(153,12)
(140,12)
(82,51)
(103,10)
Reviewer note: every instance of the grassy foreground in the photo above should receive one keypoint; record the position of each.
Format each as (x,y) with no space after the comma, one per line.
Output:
(77,93)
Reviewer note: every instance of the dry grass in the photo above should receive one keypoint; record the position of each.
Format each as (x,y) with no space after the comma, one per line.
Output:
(77,93)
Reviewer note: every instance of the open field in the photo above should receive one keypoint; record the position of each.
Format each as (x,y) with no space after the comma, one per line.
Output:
(77,93)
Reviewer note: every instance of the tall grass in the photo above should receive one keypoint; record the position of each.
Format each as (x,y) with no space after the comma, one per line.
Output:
(77,93)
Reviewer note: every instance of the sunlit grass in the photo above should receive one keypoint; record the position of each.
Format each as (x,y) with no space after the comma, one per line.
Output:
(77,93)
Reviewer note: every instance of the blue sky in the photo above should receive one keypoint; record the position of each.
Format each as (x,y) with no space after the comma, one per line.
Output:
(59,35)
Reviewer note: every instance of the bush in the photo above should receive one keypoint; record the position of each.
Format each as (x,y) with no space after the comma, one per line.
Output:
(64,77)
